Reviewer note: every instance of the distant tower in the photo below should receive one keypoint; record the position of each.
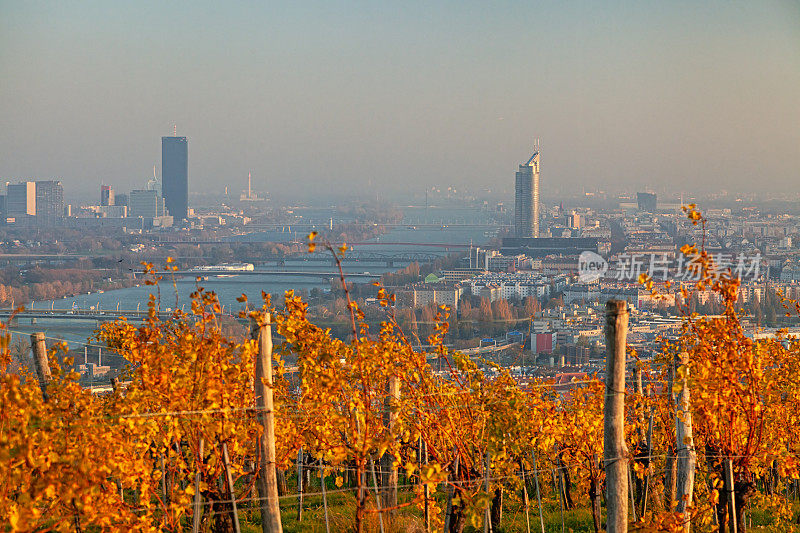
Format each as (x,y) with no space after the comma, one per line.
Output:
(248,195)
(154,184)
(175,175)
(526,199)
(106,195)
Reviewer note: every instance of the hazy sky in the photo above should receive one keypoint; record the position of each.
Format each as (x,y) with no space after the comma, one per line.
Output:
(397,96)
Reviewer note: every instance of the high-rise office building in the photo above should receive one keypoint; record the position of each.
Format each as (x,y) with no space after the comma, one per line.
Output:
(175,175)
(648,201)
(574,220)
(145,203)
(526,198)
(21,199)
(49,203)
(106,195)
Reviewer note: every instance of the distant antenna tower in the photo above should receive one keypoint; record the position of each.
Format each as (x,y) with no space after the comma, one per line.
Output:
(249,195)
(154,184)
(175,130)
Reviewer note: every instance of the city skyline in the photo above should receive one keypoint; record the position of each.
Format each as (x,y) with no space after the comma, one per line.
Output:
(625,97)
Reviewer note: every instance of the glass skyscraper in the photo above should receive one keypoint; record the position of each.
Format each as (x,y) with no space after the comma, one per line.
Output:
(526,204)
(175,176)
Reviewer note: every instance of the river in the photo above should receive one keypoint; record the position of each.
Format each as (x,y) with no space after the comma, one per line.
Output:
(229,288)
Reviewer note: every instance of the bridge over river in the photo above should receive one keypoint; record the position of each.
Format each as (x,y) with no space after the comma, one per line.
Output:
(365,253)
(97,315)
(298,273)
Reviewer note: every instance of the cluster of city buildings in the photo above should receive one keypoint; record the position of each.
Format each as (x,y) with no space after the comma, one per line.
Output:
(545,258)
(29,203)
(32,203)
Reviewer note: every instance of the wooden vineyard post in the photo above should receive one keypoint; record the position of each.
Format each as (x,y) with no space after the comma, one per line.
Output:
(164,491)
(300,485)
(638,488)
(686,456)
(388,469)
(423,451)
(487,519)
(538,494)
(649,458)
(324,497)
(198,505)
(614,449)
(557,487)
(267,478)
(729,491)
(630,490)
(226,462)
(670,475)
(377,494)
(525,497)
(448,516)
(595,495)
(42,365)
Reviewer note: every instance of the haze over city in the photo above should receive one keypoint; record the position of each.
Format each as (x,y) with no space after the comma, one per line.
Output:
(357,98)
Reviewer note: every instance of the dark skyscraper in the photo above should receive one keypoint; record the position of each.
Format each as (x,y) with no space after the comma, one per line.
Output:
(647,201)
(526,198)
(175,175)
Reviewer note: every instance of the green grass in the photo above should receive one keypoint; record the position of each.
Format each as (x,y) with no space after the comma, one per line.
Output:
(341,514)
(341,511)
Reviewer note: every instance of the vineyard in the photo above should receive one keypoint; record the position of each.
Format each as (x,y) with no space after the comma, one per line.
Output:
(208,433)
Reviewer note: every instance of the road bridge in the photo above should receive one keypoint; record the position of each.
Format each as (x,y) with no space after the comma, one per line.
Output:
(441,245)
(12,316)
(97,315)
(294,273)
(288,228)
(428,350)
(352,256)
(356,256)
(489,349)
(427,253)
